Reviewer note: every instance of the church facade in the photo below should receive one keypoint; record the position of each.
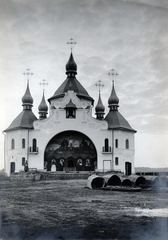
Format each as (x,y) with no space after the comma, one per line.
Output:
(70,138)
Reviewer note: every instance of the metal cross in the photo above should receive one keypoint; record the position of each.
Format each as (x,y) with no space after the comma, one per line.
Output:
(71,43)
(43,83)
(28,73)
(99,85)
(113,73)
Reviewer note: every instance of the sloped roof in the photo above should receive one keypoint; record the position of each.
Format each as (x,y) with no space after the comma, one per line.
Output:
(117,121)
(70,105)
(71,83)
(23,121)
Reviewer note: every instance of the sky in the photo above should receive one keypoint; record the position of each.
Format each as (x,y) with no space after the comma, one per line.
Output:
(128,36)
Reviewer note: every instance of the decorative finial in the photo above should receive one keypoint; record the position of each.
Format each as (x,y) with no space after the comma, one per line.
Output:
(43,83)
(113,74)
(99,85)
(71,43)
(28,74)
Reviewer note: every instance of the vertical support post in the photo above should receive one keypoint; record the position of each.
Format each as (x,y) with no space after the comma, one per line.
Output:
(112,149)
(28,145)
(4,152)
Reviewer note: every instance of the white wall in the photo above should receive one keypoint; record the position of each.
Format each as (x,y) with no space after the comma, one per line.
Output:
(45,130)
(16,154)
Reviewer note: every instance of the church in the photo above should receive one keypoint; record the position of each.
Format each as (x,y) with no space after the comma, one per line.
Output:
(70,138)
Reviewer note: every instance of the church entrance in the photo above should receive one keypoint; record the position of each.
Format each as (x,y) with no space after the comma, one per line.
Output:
(70,151)
(127,168)
(12,167)
(71,164)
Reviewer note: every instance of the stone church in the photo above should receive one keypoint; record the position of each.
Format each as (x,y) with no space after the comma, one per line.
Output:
(70,138)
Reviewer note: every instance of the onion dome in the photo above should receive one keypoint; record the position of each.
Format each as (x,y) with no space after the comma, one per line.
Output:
(114,119)
(71,84)
(113,100)
(43,108)
(71,66)
(27,99)
(99,108)
(26,118)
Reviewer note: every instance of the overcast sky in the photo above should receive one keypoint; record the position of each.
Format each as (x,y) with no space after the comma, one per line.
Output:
(129,36)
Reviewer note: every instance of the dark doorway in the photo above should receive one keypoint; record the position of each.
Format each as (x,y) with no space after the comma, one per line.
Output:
(127,168)
(12,167)
(71,164)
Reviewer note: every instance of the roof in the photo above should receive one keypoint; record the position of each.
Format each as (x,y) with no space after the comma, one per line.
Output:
(70,105)
(148,169)
(71,83)
(23,121)
(117,121)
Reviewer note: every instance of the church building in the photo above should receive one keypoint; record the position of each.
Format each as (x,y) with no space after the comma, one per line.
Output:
(70,138)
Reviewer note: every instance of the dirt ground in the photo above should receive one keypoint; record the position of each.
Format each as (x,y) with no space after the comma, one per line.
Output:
(66,209)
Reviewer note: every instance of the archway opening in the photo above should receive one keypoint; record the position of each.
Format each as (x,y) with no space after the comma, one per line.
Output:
(72,151)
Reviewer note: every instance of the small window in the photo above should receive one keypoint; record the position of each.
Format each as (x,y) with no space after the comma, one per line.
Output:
(127,144)
(13,144)
(23,161)
(106,143)
(116,143)
(71,113)
(116,161)
(34,145)
(80,162)
(87,163)
(23,143)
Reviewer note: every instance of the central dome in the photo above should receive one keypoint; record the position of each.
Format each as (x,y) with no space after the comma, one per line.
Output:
(71,65)
(71,83)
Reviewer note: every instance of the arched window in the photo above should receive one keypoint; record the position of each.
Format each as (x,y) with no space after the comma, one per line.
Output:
(116,161)
(13,144)
(127,144)
(116,143)
(23,143)
(34,145)
(23,161)
(71,113)
(106,144)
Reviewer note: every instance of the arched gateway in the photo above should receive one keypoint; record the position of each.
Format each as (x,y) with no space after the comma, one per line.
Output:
(70,151)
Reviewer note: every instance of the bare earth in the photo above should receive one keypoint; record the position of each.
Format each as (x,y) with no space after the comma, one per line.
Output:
(66,209)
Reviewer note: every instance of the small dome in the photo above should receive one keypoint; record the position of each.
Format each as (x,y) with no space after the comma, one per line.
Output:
(27,98)
(43,106)
(71,65)
(113,99)
(99,107)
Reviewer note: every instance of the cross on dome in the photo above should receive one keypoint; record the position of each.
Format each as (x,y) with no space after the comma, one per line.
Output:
(43,83)
(113,74)
(99,85)
(28,74)
(71,43)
